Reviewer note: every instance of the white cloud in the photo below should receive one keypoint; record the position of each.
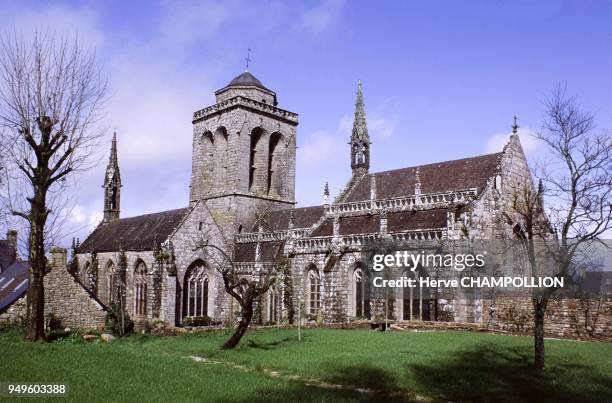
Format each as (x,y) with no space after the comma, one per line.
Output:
(531,145)
(78,215)
(95,217)
(319,18)
(381,127)
(321,146)
(64,21)
(190,22)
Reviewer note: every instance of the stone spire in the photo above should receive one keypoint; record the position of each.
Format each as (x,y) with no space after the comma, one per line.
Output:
(417,184)
(360,139)
(112,185)
(326,194)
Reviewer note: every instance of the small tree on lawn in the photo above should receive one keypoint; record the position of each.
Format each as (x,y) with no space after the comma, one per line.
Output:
(244,287)
(51,95)
(577,185)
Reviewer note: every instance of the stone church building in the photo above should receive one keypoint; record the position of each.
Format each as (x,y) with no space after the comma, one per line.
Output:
(242,201)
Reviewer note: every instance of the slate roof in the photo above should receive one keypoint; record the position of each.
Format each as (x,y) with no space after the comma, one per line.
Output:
(246,79)
(13,284)
(7,255)
(136,233)
(413,220)
(396,222)
(444,176)
(303,217)
(270,251)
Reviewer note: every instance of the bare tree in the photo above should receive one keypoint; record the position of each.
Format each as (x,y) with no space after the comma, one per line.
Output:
(577,185)
(246,287)
(51,99)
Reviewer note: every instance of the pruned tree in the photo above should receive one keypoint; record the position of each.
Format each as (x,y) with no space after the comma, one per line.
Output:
(246,287)
(576,184)
(51,100)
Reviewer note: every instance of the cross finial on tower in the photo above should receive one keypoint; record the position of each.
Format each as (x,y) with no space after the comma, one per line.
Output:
(248,59)
(515,126)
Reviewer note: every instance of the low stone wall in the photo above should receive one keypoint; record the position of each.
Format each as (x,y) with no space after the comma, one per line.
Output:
(570,318)
(68,300)
(15,314)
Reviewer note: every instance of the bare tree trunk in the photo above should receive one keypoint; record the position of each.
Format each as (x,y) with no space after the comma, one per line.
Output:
(36,294)
(247,316)
(539,308)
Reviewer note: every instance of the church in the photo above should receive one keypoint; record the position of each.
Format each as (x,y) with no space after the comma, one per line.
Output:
(242,201)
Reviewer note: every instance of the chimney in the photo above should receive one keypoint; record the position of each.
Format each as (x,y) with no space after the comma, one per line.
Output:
(11,237)
(58,258)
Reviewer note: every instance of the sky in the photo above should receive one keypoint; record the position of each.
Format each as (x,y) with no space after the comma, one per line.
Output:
(442,80)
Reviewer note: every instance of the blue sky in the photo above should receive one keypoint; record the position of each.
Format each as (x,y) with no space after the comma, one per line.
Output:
(442,79)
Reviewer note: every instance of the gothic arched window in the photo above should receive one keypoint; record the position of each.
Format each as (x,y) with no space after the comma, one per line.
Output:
(111,275)
(314,291)
(254,157)
(274,308)
(140,289)
(220,157)
(361,292)
(196,291)
(208,163)
(275,163)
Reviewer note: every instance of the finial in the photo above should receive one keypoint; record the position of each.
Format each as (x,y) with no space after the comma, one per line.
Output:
(359,100)
(515,126)
(373,187)
(248,59)
(540,186)
(291,219)
(326,193)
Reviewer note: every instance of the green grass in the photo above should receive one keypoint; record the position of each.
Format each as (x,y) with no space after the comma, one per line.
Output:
(439,365)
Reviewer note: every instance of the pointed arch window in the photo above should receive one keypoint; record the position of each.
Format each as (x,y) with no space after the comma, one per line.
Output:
(196,291)
(140,289)
(274,307)
(111,273)
(361,292)
(275,164)
(314,291)
(220,157)
(254,158)
(207,162)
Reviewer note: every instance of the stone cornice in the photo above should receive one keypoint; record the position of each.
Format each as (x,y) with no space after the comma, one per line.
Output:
(289,117)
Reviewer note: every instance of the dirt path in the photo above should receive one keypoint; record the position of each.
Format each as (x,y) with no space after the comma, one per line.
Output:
(314,381)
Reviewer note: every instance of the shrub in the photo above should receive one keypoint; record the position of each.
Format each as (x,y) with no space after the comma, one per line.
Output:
(118,321)
(199,321)
(54,322)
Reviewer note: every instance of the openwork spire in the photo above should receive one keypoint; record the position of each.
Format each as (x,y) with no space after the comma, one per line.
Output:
(326,193)
(360,128)
(112,169)
(360,139)
(112,185)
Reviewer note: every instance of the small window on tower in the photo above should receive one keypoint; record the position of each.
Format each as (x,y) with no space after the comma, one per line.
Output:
(200,226)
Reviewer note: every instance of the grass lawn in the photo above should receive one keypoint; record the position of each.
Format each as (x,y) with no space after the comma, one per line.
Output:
(436,365)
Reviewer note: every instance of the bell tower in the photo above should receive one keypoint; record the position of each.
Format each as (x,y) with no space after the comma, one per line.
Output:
(112,185)
(244,151)
(360,140)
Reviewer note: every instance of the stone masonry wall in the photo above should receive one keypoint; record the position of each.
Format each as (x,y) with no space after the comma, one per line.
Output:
(67,299)
(233,163)
(16,313)
(565,318)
